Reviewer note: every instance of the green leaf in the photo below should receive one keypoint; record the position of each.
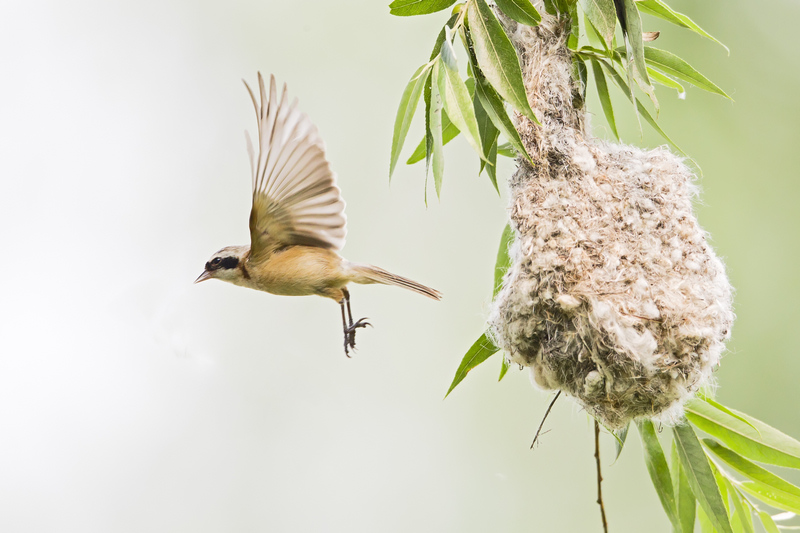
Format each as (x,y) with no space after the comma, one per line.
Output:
(491,169)
(575,26)
(768,522)
(674,65)
(724,409)
(493,106)
(685,501)
(437,45)
(634,44)
(620,436)
(701,477)
(764,444)
(661,10)
(639,106)
(503,259)
(605,98)
(506,150)
(427,94)
(705,523)
(457,101)
(407,8)
(480,351)
(503,369)
(449,132)
(723,488)
(520,10)
(753,471)
(658,469)
(742,518)
(437,146)
(405,113)
(497,57)
(602,16)
(666,81)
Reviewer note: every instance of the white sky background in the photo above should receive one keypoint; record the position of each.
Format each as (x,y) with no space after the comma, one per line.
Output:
(131,400)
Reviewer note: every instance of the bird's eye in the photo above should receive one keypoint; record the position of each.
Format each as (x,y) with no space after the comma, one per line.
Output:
(215,261)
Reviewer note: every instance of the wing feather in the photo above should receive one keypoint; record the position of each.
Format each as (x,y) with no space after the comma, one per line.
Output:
(295,197)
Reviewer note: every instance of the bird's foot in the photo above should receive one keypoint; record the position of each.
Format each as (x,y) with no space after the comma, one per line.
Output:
(350,334)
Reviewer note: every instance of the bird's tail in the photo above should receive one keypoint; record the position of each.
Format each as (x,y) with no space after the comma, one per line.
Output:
(372,274)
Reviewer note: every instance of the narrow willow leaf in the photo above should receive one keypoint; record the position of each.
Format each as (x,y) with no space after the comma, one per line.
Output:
(701,477)
(428,134)
(506,150)
(503,259)
(764,444)
(489,134)
(633,40)
(581,73)
(480,351)
(768,522)
(437,146)
(705,523)
(437,45)
(753,471)
(497,57)
(491,168)
(674,65)
(493,105)
(501,265)
(661,10)
(640,107)
(723,488)
(768,495)
(602,16)
(593,34)
(724,409)
(503,369)
(449,132)
(407,8)
(456,97)
(658,469)
(621,436)
(405,113)
(666,81)
(520,10)
(550,7)
(605,98)
(742,517)
(685,501)
(575,25)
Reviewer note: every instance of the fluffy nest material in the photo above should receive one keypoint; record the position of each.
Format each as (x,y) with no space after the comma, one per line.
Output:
(614,295)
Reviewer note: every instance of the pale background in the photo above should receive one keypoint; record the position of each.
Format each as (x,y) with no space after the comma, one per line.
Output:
(132,401)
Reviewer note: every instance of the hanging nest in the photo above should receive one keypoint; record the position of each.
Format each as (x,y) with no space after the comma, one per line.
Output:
(614,295)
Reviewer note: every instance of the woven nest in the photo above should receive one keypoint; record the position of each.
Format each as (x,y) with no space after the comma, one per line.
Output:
(614,295)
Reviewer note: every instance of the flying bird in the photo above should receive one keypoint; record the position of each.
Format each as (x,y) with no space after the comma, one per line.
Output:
(297,222)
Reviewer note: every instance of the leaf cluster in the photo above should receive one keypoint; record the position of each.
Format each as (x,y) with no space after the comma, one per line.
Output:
(717,481)
(477,105)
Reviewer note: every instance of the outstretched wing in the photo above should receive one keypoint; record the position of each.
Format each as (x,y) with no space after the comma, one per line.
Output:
(295,197)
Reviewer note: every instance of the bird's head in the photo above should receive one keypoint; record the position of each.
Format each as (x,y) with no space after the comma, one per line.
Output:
(224,265)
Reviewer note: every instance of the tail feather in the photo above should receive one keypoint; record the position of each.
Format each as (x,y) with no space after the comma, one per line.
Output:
(372,274)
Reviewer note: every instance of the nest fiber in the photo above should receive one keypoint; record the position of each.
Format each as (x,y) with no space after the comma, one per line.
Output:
(614,294)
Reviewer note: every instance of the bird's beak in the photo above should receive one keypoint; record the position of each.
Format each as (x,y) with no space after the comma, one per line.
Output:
(204,276)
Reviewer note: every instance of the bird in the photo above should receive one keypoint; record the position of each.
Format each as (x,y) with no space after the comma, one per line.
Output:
(297,219)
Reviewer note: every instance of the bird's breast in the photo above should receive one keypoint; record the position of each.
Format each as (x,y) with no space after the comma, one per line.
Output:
(296,271)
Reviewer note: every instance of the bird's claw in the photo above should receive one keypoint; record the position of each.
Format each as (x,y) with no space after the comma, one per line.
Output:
(350,334)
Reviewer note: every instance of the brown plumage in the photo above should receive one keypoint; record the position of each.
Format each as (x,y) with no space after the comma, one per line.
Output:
(297,222)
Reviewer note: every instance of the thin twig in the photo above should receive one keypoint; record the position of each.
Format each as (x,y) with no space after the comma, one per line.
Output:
(538,431)
(599,475)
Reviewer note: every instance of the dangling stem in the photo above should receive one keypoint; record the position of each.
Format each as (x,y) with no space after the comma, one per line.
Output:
(536,437)
(599,475)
